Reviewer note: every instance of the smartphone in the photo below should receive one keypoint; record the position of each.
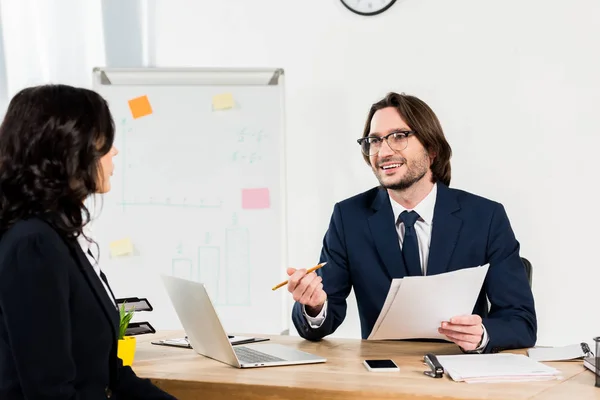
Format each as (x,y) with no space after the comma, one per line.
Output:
(381,365)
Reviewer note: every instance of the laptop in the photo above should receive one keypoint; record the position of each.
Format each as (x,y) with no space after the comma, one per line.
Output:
(207,336)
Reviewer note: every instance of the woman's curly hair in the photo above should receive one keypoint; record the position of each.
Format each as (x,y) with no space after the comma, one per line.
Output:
(51,142)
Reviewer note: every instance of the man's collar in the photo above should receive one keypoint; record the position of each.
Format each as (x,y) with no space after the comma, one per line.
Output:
(425,208)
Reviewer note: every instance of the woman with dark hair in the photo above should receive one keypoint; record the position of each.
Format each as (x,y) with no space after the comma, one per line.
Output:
(58,319)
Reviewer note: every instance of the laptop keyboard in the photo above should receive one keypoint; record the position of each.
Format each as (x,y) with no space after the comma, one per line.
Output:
(248,355)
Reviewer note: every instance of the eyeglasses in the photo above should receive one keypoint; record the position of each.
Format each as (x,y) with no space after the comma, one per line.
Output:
(397,141)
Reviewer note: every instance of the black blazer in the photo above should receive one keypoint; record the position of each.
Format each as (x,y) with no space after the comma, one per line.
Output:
(58,327)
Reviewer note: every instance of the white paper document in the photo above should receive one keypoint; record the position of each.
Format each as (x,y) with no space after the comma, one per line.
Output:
(416,306)
(501,367)
(563,353)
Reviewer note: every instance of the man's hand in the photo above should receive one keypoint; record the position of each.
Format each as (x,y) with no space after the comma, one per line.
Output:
(307,289)
(465,330)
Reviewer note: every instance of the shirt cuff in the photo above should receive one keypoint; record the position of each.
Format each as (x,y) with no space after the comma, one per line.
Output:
(316,322)
(484,340)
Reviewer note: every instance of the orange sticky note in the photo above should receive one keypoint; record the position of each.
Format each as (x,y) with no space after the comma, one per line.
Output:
(140,107)
(223,101)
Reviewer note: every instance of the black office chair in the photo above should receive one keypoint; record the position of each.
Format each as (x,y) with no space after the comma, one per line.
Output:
(528,269)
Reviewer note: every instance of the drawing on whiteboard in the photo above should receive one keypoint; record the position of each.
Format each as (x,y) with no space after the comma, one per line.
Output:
(237,264)
(182,268)
(246,135)
(151,202)
(209,272)
(249,146)
(250,158)
(127,201)
(228,286)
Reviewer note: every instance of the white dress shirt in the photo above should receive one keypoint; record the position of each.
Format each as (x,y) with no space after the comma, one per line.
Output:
(423,228)
(88,248)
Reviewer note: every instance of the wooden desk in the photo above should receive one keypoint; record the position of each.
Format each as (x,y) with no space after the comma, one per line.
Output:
(188,375)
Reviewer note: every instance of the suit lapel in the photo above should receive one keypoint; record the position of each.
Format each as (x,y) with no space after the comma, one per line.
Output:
(446,228)
(385,236)
(93,280)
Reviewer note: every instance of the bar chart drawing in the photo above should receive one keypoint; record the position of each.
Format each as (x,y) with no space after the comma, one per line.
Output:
(228,282)
(237,266)
(182,268)
(209,271)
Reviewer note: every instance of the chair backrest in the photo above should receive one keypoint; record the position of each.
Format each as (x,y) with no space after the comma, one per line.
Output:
(528,269)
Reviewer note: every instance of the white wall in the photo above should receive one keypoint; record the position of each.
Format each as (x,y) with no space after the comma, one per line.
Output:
(515,84)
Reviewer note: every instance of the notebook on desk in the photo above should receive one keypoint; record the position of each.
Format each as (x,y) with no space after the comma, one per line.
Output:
(185,343)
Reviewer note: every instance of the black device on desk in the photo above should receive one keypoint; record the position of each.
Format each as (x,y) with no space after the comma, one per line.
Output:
(380,365)
(436,369)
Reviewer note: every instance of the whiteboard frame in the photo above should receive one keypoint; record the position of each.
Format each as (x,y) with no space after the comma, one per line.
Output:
(102,76)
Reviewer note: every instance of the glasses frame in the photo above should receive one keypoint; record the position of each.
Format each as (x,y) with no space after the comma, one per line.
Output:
(385,138)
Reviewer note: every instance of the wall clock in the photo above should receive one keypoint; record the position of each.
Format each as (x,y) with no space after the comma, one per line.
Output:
(368,7)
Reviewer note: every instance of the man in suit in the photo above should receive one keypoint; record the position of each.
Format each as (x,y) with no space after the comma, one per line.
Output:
(414,224)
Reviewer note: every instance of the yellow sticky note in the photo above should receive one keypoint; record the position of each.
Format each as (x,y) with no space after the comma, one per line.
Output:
(121,247)
(140,107)
(222,101)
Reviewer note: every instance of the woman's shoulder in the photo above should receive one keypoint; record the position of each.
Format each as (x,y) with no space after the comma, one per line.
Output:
(28,242)
(31,229)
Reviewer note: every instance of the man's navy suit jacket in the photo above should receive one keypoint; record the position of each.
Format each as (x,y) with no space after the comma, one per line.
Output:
(362,251)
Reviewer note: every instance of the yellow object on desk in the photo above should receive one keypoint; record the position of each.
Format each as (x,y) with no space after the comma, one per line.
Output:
(126,349)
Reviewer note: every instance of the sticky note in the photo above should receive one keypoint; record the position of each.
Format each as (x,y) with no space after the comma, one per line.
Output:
(255,198)
(140,107)
(121,247)
(222,101)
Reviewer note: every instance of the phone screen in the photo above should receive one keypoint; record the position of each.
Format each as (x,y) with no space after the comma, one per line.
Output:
(381,364)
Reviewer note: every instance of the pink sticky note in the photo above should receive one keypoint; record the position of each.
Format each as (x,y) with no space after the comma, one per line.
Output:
(255,198)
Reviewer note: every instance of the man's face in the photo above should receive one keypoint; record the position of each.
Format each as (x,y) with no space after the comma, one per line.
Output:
(397,169)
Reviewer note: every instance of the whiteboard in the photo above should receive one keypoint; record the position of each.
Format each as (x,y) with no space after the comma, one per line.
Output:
(198,191)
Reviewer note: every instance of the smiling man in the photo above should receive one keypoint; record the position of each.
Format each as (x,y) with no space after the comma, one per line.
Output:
(414,224)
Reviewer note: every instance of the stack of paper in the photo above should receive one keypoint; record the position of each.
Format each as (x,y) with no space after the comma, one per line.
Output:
(416,306)
(503,367)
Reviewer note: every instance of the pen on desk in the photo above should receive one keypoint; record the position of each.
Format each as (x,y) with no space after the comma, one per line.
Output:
(228,336)
(316,267)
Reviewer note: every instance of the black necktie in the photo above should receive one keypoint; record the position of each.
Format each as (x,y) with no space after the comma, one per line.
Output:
(410,244)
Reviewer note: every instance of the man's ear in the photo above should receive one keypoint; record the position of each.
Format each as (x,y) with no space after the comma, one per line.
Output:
(432,155)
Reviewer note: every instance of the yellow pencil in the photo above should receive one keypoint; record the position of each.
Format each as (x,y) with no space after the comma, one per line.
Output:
(316,267)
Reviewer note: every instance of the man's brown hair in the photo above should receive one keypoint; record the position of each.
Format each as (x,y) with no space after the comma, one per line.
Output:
(428,130)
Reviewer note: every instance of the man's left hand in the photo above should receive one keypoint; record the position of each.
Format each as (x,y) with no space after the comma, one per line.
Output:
(465,330)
